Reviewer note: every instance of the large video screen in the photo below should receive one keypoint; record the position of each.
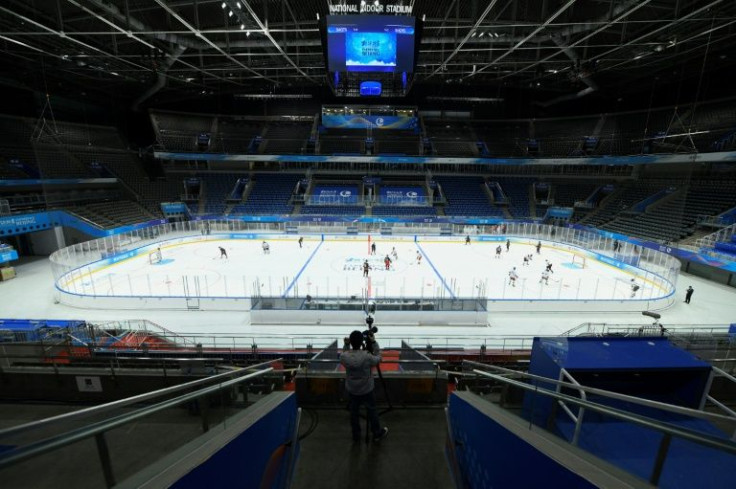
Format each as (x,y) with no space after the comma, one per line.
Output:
(370,43)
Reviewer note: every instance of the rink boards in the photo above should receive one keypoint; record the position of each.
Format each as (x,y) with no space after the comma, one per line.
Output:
(328,268)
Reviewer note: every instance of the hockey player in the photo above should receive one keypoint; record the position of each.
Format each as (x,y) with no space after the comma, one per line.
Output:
(419,258)
(266,248)
(634,288)
(498,251)
(373,248)
(545,277)
(526,260)
(508,245)
(394,254)
(539,246)
(513,276)
(467,239)
(301,240)
(366,268)
(387,262)
(223,253)
(548,268)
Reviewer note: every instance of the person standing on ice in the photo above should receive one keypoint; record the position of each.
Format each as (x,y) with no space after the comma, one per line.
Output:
(394,254)
(301,240)
(419,258)
(545,277)
(223,253)
(539,246)
(387,262)
(634,288)
(266,248)
(366,268)
(467,239)
(513,276)
(508,245)
(498,251)
(373,248)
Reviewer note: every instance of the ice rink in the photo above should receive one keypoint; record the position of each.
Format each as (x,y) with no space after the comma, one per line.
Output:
(333,267)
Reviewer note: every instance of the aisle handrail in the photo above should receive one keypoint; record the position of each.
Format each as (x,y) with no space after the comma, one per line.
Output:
(696,413)
(56,442)
(103,408)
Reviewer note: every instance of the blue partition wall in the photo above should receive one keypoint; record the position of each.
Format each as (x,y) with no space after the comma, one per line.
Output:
(489,455)
(256,458)
(645,367)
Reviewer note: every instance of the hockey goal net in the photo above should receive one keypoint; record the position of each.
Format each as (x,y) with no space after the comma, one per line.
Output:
(154,257)
(578,260)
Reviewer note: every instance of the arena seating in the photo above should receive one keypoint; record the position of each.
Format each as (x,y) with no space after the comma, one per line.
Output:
(451,138)
(403,210)
(234,135)
(286,137)
(396,142)
(622,199)
(335,141)
(112,213)
(676,218)
(270,195)
(467,197)
(216,187)
(517,190)
(562,137)
(565,194)
(334,210)
(505,138)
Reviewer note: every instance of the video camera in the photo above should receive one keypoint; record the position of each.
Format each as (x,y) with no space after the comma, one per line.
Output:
(368,338)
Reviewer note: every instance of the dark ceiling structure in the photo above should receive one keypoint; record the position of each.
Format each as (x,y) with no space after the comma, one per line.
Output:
(147,50)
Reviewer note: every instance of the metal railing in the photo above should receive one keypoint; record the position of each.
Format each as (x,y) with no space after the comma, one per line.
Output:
(97,429)
(667,430)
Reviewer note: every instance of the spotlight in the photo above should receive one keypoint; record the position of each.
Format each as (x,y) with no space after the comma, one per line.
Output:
(224,5)
(247,33)
(242,26)
(230,14)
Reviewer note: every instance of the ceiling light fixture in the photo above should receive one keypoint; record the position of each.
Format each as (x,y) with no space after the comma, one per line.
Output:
(224,5)
(230,14)
(482,34)
(247,34)
(242,26)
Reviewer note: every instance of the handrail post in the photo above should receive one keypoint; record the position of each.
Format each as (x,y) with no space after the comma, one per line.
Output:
(203,403)
(104,452)
(664,446)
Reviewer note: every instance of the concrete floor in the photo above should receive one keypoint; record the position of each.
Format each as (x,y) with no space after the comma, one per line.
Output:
(413,454)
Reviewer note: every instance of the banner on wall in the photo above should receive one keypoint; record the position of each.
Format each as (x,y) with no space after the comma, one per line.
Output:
(402,195)
(328,194)
(368,121)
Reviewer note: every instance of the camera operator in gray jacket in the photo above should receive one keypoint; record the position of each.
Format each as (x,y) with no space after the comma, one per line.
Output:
(360,353)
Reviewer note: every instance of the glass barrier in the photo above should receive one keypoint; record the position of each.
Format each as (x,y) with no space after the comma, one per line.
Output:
(76,269)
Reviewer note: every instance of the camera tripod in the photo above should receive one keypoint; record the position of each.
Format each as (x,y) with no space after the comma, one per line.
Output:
(369,347)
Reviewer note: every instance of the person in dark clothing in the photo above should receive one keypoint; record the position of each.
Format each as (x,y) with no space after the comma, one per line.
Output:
(539,246)
(359,382)
(689,294)
(373,248)
(223,253)
(508,244)
(366,268)
(301,240)
(467,239)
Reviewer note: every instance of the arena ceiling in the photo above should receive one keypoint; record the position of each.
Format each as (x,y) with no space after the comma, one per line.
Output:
(140,48)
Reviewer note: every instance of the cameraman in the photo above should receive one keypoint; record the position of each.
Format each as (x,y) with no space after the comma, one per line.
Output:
(359,381)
